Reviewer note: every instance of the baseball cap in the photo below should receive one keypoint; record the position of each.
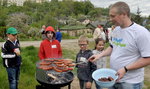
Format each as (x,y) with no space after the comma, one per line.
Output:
(11,30)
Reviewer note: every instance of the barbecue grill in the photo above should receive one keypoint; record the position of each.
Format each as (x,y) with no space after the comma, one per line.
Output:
(50,79)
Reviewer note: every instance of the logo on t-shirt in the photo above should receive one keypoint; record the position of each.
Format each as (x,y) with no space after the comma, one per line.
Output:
(117,41)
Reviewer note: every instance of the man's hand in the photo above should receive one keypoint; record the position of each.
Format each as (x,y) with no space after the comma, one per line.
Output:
(107,52)
(93,58)
(121,72)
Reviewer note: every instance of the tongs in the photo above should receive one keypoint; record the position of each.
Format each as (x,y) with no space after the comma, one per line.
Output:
(81,62)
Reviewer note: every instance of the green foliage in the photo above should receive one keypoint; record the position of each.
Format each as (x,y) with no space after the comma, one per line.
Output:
(137,18)
(147,83)
(3,15)
(148,27)
(19,21)
(73,27)
(69,54)
(54,13)
(2,40)
(66,36)
(49,13)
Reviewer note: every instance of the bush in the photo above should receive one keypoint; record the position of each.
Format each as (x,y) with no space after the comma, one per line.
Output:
(1,39)
(66,36)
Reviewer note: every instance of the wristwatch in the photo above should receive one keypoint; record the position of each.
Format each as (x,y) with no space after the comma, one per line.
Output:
(125,68)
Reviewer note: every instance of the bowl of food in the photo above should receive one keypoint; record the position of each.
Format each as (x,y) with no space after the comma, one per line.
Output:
(105,77)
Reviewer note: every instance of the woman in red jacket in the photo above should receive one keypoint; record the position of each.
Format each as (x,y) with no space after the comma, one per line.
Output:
(50,47)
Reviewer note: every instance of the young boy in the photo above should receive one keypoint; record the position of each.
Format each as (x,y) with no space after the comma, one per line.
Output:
(11,57)
(85,68)
(50,47)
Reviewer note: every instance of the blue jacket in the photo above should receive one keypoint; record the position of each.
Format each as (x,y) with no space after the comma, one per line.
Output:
(58,36)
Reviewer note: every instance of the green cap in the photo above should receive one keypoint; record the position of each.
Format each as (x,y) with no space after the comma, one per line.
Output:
(11,30)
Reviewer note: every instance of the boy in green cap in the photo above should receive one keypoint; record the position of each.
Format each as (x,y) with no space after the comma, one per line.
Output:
(11,57)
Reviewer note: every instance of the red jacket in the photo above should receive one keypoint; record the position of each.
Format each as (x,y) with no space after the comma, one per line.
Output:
(50,49)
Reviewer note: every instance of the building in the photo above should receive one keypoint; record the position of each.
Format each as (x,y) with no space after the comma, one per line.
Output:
(17,2)
(40,1)
(21,2)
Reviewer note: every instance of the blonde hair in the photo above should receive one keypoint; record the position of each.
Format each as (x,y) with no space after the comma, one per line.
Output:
(122,8)
(83,38)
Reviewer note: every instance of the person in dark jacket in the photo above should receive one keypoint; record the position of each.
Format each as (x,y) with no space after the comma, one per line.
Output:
(11,57)
(42,31)
(85,68)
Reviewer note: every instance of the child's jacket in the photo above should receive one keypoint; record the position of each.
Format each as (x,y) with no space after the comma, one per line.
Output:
(85,70)
(10,59)
(50,49)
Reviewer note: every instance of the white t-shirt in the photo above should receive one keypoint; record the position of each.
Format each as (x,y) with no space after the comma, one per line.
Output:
(130,44)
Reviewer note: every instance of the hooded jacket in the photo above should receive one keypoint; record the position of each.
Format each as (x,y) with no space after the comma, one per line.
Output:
(50,49)
(85,70)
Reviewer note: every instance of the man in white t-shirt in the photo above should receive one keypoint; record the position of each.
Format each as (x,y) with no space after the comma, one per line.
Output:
(129,51)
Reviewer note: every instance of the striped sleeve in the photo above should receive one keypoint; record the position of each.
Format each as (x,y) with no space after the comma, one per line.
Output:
(4,54)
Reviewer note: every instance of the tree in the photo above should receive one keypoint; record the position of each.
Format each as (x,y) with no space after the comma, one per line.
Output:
(138,18)
(88,6)
(3,15)
(3,2)
(19,21)
(95,13)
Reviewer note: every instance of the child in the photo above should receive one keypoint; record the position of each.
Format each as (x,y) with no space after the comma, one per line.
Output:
(50,48)
(85,68)
(11,57)
(99,47)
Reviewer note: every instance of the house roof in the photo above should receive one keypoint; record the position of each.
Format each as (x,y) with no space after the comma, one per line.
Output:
(95,23)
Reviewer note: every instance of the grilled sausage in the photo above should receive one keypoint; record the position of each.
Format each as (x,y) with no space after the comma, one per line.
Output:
(70,68)
(44,63)
(57,70)
(71,65)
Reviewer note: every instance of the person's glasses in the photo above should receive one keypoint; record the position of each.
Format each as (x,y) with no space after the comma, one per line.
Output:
(82,44)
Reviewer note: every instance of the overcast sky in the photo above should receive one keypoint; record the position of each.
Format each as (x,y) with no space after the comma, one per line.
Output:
(144,5)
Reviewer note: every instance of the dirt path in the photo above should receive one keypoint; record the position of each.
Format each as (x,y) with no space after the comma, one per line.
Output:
(64,43)
(71,44)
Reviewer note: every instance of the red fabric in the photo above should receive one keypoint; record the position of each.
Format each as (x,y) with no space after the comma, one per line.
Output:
(50,49)
(50,28)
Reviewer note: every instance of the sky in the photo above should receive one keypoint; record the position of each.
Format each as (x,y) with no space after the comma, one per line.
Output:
(144,5)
